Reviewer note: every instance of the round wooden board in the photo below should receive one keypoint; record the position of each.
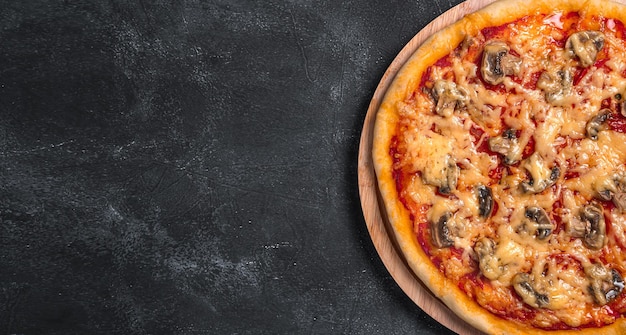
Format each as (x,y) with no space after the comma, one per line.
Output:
(373,210)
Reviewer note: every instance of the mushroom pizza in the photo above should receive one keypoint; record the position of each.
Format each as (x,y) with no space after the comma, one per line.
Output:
(500,154)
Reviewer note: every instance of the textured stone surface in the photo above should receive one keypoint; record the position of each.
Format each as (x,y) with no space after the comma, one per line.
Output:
(189,167)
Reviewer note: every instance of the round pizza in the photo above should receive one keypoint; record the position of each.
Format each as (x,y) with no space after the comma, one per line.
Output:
(500,154)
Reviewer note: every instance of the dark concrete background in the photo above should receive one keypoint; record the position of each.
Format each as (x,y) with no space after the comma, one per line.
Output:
(190,167)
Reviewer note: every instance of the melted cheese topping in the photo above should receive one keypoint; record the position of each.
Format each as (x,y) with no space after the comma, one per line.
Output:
(551,147)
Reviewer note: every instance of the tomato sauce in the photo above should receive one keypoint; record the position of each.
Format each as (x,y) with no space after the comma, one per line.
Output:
(616,26)
(617,123)
(443,62)
(470,282)
(532,83)
(496,32)
(557,215)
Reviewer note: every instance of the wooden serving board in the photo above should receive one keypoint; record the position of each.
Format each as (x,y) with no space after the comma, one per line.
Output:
(373,211)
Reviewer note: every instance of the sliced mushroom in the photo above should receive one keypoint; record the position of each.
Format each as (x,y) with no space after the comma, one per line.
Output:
(619,200)
(614,189)
(485,201)
(556,85)
(448,97)
(590,226)
(498,62)
(605,195)
(585,45)
(537,223)
(605,285)
(597,124)
(452,176)
(618,197)
(524,287)
(488,263)
(443,173)
(440,231)
(577,227)
(541,176)
(506,145)
(595,232)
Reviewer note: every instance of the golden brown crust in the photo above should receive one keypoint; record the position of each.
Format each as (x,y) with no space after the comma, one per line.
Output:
(406,81)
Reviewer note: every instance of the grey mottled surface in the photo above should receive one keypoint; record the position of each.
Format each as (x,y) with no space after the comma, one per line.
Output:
(189,167)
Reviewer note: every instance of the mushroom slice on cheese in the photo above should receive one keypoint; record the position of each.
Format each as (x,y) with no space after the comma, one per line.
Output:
(488,263)
(507,146)
(605,284)
(590,226)
(556,85)
(585,45)
(525,287)
(448,97)
(541,176)
(498,62)
(597,124)
(536,223)
(619,200)
(443,174)
(440,231)
(485,201)
(613,189)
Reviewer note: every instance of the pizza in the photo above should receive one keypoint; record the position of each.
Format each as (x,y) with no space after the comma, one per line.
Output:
(500,155)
